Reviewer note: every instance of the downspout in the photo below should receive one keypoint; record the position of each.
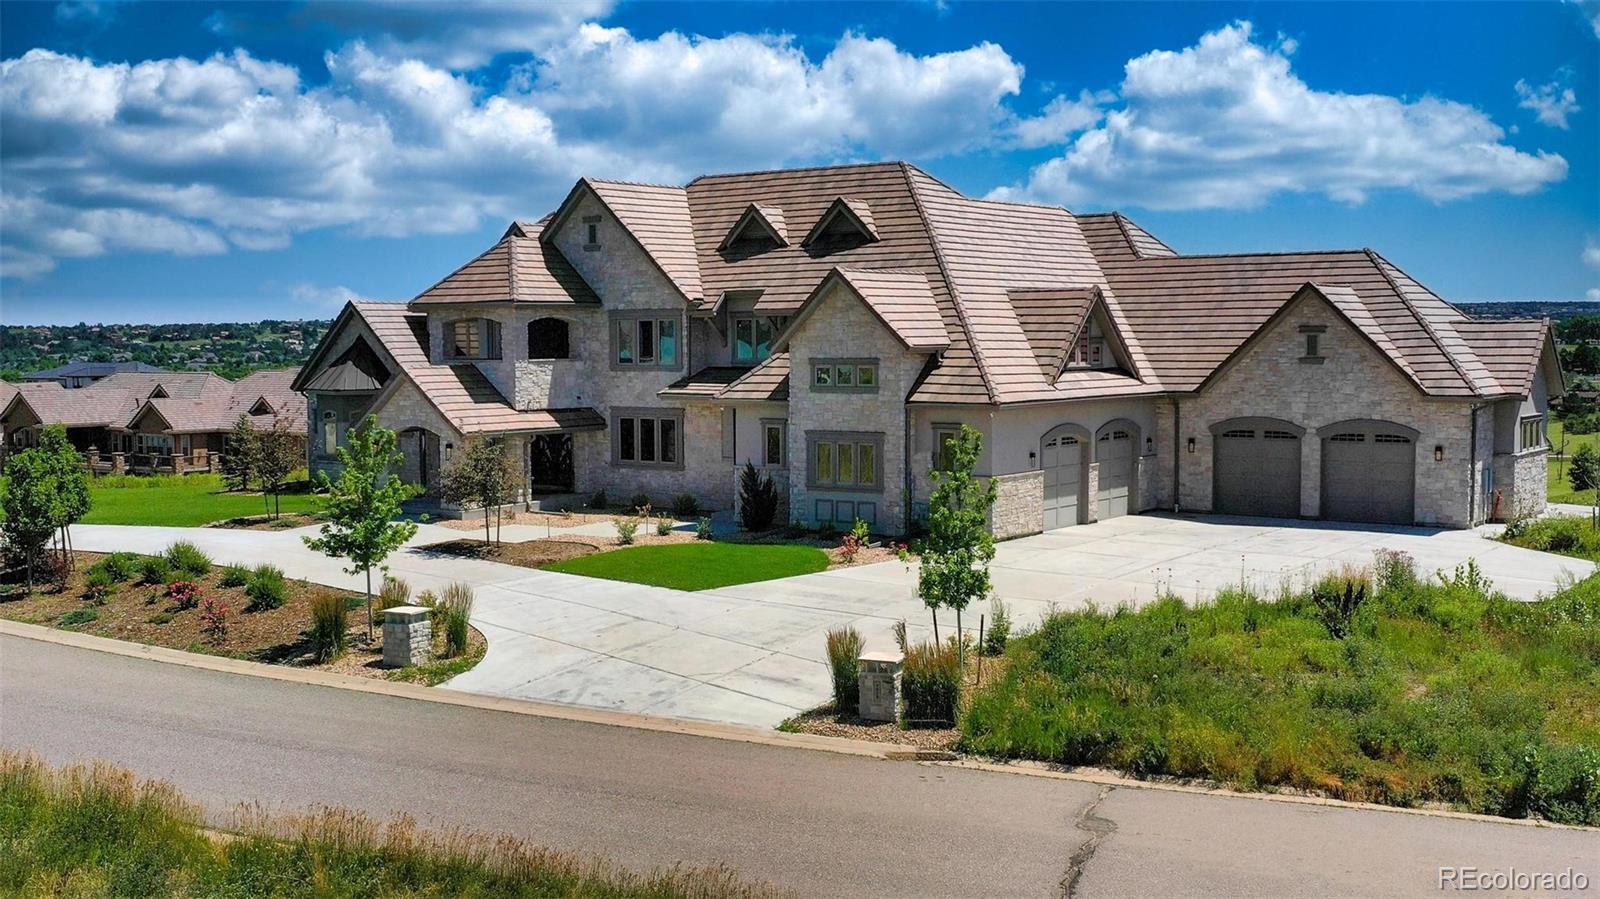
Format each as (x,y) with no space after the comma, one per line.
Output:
(1177,439)
(908,488)
(1472,469)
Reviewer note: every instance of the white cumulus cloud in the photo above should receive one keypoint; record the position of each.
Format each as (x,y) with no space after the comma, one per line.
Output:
(1551,103)
(1227,124)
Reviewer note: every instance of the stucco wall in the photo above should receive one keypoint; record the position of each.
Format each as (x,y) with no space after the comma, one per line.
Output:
(1354,382)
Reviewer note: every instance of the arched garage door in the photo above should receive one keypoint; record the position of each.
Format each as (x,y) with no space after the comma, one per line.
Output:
(1061,457)
(1115,447)
(1369,472)
(1256,467)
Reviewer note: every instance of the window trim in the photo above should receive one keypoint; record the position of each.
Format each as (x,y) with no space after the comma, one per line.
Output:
(490,339)
(782,424)
(1542,423)
(777,323)
(856,438)
(854,364)
(656,316)
(656,414)
(940,430)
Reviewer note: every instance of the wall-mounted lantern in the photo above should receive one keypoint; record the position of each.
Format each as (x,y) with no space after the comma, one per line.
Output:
(1438,453)
(1190,445)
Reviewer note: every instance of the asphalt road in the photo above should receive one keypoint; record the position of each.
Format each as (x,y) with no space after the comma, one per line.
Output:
(818,823)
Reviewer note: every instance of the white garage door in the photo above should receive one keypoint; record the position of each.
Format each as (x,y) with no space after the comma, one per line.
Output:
(1369,474)
(1061,459)
(1114,451)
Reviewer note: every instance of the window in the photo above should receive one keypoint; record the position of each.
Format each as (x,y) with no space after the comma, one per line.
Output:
(1313,335)
(472,338)
(1090,351)
(845,374)
(844,460)
(753,335)
(591,232)
(1311,345)
(773,433)
(943,436)
(547,339)
(644,340)
(647,437)
(1533,434)
(330,432)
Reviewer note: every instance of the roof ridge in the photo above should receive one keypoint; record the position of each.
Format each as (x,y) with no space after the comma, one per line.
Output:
(625,181)
(1260,253)
(1122,228)
(808,168)
(1378,263)
(949,283)
(460,268)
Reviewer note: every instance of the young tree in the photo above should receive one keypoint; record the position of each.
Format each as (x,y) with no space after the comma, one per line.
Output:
(277,457)
(481,477)
(242,460)
(71,484)
(29,503)
(957,551)
(1584,474)
(363,503)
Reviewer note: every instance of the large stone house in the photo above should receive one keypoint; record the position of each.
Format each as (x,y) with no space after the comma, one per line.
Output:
(835,326)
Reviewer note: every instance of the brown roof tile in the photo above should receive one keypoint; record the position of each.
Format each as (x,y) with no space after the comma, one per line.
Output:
(767,382)
(519,268)
(1509,348)
(658,217)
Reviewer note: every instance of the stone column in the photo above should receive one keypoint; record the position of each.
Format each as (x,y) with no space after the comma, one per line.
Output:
(407,636)
(878,698)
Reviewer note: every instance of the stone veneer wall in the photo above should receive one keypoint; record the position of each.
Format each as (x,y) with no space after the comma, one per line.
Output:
(1521,479)
(1270,380)
(842,327)
(1018,505)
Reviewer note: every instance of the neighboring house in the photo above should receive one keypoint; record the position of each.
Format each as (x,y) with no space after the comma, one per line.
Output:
(836,326)
(82,374)
(143,422)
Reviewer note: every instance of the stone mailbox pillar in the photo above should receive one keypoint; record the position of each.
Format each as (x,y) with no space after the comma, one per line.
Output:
(879,686)
(407,636)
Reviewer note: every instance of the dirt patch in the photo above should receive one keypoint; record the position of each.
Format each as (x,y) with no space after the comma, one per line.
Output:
(540,519)
(528,554)
(142,613)
(824,722)
(266,522)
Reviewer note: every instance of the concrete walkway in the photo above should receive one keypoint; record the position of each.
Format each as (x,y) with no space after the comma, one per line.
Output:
(752,654)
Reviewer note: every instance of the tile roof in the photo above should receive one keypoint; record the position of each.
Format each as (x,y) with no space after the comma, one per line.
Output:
(659,218)
(89,370)
(706,383)
(460,392)
(767,382)
(900,298)
(1114,235)
(1051,318)
(770,218)
(188,401)
(1510,349)
(519,268)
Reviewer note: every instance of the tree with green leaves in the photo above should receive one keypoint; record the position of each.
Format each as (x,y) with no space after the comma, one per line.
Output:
(242,460)
(954,568)
(1584,474)
(71,484)
(279,454)
(482,476)
(29,502)
(363,504)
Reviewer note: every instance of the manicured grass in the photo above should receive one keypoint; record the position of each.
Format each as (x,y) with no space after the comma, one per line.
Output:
(1437,693)
(181,501)
(1560,488)
(97,831)
(699,565)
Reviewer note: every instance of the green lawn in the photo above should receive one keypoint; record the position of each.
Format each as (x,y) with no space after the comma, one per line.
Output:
(1560,489)
(699,565)
(180,501)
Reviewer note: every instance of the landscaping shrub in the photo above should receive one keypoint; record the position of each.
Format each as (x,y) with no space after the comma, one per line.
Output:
(186,558)
(663,526)
(214,620)
(185,595)
(154,570)
(1569,535)
(702,529)
(626,528)
(78,618)
(159,618)
(998,630)
(1439,692)
(599,500)
(930,684)
(457,604)
(640,503)
(844,666)
(266,589)
(395,592)
(121,566)
(234,576)
(684,505)
(98,583)
(758,498)
(328,627)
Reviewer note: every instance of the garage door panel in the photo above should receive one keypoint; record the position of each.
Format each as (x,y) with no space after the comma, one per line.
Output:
(1061,460)
(1369,475)
(1114,484)
(1256,472)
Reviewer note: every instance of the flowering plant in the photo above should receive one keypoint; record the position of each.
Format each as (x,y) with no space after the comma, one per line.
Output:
(214,620)
(848,547)
(184,594)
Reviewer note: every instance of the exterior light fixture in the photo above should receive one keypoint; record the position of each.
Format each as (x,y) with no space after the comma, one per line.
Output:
(1190,445)
(1149,445)
(1438,453)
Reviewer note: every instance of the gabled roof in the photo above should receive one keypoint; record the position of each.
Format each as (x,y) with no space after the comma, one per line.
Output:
(519,268)
(460,393)
(1512,350)
(89,370)
(762,217)
(1114,235)
(856,211)
(187,402)
(357,370)
(901,299)
(656,216)
(1052,319)
(767,382)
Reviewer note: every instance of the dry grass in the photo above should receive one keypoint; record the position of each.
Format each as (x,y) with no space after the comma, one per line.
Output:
(91,830)
(528,554)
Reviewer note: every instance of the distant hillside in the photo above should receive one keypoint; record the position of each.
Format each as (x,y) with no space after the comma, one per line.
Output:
(231,349)
(1557,310)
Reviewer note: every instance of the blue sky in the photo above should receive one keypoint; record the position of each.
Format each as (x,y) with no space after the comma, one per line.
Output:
(236,161)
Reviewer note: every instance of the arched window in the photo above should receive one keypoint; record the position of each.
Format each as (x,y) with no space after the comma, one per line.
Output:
(547,339)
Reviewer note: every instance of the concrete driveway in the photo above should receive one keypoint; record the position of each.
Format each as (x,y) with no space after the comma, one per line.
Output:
(752,654)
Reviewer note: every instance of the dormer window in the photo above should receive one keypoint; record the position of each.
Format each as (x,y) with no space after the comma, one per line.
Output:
(753,334)
(759,229)
(1091,350)
(847,223)
(472,338)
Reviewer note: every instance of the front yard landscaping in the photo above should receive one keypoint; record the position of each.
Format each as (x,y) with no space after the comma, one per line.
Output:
(98,831)
(192,500)
(698,565)
(1568,535)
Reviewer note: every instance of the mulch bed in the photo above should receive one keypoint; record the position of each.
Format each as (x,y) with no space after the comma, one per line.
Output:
(824,722)
(266,522)
(528,554)
(540,519)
